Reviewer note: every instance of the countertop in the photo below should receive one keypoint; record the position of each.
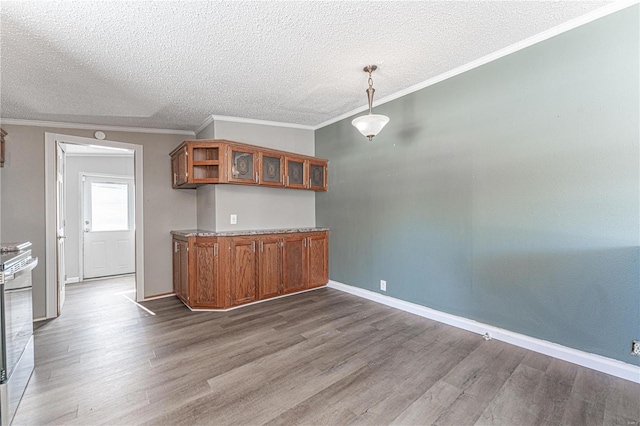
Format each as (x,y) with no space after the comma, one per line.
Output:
(204,233)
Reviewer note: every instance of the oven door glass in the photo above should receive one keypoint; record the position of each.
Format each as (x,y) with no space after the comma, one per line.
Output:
(3,343)
(18,319)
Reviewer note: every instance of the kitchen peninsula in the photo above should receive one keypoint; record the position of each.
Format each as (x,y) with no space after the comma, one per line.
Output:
(222,270)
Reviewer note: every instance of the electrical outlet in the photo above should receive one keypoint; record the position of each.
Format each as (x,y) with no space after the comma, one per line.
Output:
(635,347)
(383,285)
(234,219)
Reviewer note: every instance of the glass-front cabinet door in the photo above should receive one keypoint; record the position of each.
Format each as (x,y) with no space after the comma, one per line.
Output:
(318,175)
(296,173)
(242,165)
(271,169)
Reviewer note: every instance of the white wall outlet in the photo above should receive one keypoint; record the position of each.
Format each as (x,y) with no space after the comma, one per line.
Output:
(383,285)
(234,219)
(635,347)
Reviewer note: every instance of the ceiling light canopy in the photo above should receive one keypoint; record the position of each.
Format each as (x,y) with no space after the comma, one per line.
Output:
(371,124)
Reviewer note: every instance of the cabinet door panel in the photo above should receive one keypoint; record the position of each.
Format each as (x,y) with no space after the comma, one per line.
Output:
(317,175)
(271,167)
(318,260)
(296,172)
(205,293)
(243,271)
(183,248)
(270,280)
(295,264)
(176,267)
(242,166)
(179,167)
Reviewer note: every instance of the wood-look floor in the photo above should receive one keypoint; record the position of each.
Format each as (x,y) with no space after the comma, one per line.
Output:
(319,358)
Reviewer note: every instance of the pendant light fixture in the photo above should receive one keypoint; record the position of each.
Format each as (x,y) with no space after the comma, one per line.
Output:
(371,124)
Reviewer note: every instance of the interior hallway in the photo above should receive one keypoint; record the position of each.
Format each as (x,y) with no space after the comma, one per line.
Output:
(323,357)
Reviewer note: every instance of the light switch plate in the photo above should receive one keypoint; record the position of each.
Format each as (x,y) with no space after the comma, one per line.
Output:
(234,219)
(383,285)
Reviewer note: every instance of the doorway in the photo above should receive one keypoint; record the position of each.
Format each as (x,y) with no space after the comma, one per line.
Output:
(108,223)
(112,204)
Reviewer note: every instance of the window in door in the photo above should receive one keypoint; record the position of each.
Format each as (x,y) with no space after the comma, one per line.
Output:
(109,206)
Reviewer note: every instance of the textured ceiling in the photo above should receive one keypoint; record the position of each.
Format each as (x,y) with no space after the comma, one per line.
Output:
(172,64)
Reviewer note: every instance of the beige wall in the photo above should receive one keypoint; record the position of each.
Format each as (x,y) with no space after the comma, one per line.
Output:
(206,207)
(23,194)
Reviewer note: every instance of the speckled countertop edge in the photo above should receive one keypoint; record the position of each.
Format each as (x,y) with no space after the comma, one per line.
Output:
(203,233)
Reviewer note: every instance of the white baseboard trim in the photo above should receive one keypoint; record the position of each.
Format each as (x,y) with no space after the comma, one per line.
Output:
(40,319)
(595,362)
(72,280)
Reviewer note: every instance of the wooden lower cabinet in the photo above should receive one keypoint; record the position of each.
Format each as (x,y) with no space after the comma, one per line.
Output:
(318,259)
(270,268)
(295,265)
(224,272)
(243,271)
(205,292)
(181,268)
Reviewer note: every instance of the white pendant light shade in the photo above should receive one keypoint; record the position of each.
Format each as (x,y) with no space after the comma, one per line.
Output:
(371,124)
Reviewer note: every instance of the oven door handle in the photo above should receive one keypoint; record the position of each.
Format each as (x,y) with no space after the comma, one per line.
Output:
(26,270)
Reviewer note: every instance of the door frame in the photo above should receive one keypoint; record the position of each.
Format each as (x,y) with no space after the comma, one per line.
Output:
(81,213)
(51,141)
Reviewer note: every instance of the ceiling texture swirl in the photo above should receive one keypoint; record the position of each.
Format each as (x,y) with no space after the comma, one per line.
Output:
(170,65)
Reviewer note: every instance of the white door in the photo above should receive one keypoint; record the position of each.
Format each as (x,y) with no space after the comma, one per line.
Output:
(108,228)
(60,225)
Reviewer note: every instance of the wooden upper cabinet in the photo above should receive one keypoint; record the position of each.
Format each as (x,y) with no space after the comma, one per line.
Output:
(206,163)
(242,165)
(2,135)
(318,259)
(270,267)
(179,167)
(194,164)
(243,270)
(271,169)
(318,175)
(296,172)
(294,263)
(200,162)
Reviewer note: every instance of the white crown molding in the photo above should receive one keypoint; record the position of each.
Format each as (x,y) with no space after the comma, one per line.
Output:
(595,362)
(204,124)
(213,118)
(545,35)
(84,126)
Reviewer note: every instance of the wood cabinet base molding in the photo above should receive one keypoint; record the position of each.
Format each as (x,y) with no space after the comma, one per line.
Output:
(250,303)
(224,270)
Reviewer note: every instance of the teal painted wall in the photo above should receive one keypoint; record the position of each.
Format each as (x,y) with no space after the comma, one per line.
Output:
(508,194)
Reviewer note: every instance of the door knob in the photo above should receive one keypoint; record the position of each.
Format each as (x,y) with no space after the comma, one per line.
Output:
(86,222)
(87,230)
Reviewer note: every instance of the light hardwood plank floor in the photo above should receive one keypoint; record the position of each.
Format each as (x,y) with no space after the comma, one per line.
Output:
(319,358)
